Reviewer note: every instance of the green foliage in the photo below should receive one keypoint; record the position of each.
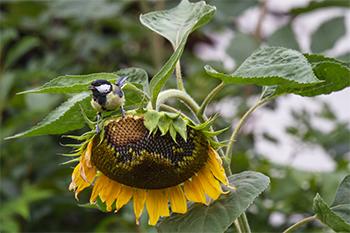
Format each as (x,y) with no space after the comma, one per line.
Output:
(289,71)
(241,46)
(278,38)
(43,40)
(270,66)
(165,122)
(20,206)
(315,5)
(336,216)
(219,215)
(63,119)
(80,83)
(175,25)
(330,32)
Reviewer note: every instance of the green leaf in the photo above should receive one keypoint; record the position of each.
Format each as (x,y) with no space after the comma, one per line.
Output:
(164,124)
(7,35)
(316,59)
(328,216)
(283,37)
(270,66)
(21,48)
(175,25)
(327,34)
(227,10)
(220,214)
(341,203)
(172,132)
(314,5)
(66,117)
(181,127)
(335,76)
(241,46)
(80,83)
(151,119)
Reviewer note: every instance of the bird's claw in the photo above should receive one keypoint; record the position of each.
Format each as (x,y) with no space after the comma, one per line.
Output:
(98,119)
(122,111)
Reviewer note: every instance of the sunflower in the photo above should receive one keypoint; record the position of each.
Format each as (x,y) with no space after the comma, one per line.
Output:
(152,159)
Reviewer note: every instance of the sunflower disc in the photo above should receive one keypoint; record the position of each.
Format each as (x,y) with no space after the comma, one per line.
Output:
(130,155)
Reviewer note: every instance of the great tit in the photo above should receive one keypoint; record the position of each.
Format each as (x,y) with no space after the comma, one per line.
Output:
(107,97)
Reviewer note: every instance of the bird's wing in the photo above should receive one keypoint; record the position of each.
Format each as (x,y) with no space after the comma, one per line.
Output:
(118,91)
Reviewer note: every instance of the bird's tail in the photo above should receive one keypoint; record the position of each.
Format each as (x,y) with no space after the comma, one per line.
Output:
(121,81)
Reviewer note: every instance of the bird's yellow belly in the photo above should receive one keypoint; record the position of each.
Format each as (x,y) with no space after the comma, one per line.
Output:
(113,102)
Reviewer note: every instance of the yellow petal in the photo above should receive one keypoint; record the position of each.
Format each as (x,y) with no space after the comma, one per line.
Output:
(152,206)
(123,197)
(177,200)
(113,195)
(105,191)
(100,182)
(215,165)
(139,202)
(213,190)
(87,155)
(163,203)
(194,191)
(78,183)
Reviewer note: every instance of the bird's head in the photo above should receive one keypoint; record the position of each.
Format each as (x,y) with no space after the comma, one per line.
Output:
(100,87)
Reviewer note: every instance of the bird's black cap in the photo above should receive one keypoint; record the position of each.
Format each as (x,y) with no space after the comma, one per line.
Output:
(100,82)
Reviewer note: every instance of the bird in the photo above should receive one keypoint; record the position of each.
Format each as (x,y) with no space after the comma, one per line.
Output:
(107,96)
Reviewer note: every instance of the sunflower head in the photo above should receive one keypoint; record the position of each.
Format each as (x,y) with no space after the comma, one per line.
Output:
(154,158)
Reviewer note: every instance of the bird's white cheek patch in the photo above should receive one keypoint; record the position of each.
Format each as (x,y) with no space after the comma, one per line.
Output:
(104,88)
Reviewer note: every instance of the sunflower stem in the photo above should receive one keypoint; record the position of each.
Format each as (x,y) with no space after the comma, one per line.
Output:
(241,223)
(180,84)
(210,97)
(300,223)
(241,122)
(174,93)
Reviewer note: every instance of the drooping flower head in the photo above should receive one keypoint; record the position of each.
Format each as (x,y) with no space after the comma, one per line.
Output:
(153,159)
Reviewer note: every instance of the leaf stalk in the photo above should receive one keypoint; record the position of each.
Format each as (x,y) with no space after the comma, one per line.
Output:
(210,97)
(300,223)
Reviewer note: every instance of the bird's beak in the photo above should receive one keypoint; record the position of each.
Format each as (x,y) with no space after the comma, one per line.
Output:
(92,88)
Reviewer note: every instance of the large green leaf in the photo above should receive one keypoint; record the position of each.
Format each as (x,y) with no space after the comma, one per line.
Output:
(175,25)
(327,34)
(220,214)
(241,46)
(66,117)
(80,83)
(315,5)
(270,66)
(337,216)
(284,37)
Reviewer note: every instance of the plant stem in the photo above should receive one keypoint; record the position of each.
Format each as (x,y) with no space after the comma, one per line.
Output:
(209,98)
(243,223)
(238,226)
(180,84)
(174,93)
(238,127)
(300,223)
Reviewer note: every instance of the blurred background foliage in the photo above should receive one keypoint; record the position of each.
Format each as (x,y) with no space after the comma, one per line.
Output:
(41,40)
